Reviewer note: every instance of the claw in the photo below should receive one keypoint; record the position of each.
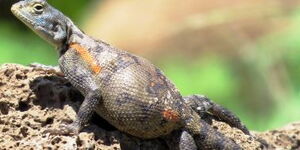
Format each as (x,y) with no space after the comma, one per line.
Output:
(48,69)
(70,129)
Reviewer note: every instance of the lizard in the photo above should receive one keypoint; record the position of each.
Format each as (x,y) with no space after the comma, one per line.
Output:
(126,90)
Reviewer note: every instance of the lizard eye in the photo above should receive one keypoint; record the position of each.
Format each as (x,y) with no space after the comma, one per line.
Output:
(38,8)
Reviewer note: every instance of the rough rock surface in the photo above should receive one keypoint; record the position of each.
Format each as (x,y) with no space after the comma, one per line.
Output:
(33,101)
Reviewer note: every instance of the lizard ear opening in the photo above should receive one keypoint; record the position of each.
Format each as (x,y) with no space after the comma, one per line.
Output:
(60,33)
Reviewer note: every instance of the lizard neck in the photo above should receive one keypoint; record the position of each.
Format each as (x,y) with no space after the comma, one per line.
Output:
(74,35)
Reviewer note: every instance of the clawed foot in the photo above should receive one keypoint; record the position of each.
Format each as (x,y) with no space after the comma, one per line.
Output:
(70,129)
(48,69)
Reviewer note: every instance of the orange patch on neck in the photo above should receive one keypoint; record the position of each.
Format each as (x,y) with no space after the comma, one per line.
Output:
(171,115)
(87,57)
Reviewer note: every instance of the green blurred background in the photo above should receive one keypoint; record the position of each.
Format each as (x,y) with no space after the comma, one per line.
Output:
(245,55)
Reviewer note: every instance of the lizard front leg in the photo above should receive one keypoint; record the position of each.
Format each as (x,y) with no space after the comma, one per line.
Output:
(202,104)
(84,114)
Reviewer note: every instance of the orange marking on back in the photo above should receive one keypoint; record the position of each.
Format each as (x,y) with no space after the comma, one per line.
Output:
(87,57)
(171,115)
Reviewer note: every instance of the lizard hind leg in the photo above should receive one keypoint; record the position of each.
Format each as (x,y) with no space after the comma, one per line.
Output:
(201,104)
(187,142)
(206,137)
(180,140)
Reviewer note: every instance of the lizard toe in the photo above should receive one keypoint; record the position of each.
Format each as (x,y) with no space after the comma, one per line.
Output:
(63,129)
(49,69)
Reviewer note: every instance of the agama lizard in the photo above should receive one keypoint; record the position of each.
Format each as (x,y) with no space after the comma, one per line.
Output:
(126,90)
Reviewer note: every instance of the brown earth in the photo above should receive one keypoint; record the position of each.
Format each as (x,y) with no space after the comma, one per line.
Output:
(33,101)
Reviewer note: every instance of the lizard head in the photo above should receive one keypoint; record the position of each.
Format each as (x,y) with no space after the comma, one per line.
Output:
(43,19)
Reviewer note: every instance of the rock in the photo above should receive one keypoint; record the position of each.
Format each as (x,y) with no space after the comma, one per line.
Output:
(288,137)
(33,101)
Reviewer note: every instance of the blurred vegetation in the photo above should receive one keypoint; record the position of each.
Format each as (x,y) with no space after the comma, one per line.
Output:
(18,44)
(260,80)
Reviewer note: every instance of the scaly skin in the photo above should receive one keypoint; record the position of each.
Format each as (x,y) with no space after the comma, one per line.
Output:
(126,90)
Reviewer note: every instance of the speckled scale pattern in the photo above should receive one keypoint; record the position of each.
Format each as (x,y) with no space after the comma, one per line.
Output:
(126,90)
(134,95)
(135,104)
(76,72)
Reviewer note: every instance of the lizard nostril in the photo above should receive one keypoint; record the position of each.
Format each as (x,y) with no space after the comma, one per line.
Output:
(15,7)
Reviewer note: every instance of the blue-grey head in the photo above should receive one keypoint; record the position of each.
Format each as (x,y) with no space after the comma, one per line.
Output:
(43,19)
